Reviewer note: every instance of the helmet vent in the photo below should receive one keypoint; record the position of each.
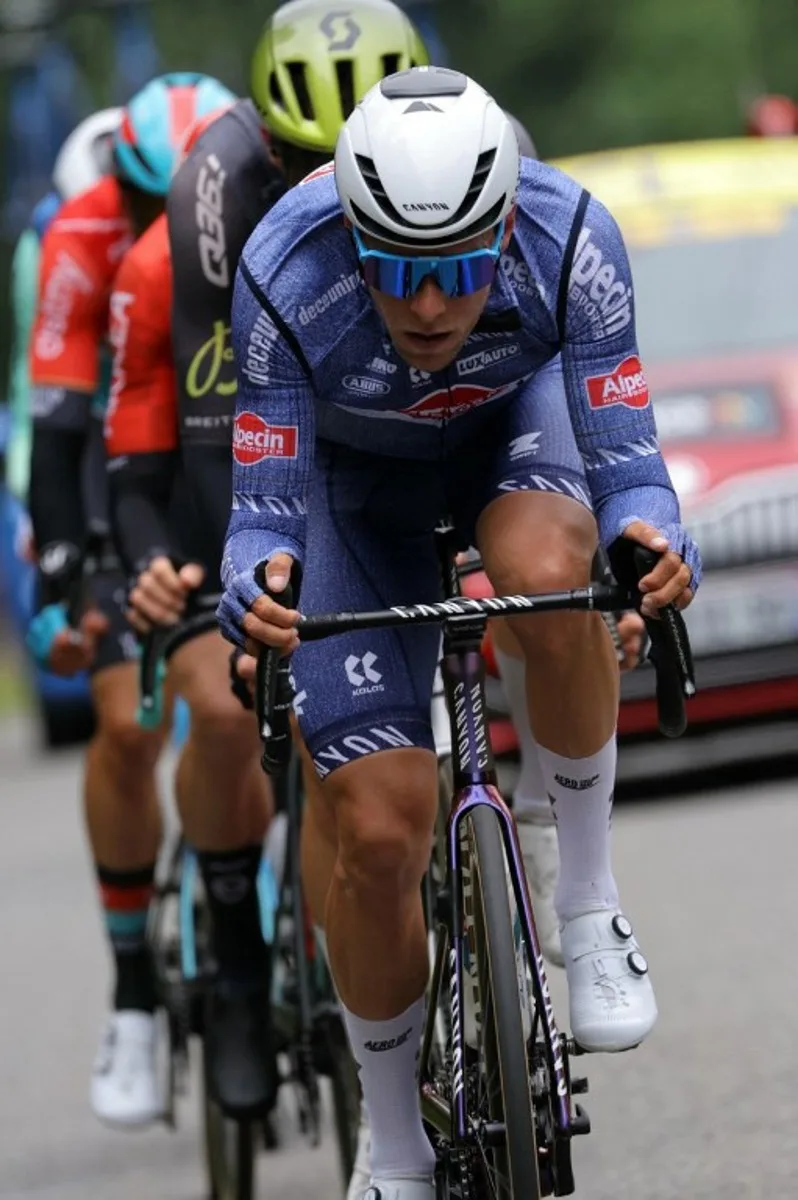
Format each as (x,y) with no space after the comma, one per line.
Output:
(346,85)
(275,92)
(481,172)
(390,64)
(296,71)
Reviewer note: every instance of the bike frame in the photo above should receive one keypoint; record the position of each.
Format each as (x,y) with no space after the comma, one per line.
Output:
(463,671)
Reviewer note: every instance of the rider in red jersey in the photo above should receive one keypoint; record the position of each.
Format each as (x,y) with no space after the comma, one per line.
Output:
(81,252)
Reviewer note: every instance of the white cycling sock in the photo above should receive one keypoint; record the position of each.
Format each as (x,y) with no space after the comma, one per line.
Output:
(387,1054)
(530,801)
(581,790)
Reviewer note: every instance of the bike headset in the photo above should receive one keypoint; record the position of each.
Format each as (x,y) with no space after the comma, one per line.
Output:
(312,66)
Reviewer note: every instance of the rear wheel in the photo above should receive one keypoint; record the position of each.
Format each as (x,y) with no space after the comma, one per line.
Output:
(500,1090)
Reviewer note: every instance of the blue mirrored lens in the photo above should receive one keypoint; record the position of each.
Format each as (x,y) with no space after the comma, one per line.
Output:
(455,274)
(387,275)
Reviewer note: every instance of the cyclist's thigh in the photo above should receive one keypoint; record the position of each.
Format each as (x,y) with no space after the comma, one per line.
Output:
(370,545)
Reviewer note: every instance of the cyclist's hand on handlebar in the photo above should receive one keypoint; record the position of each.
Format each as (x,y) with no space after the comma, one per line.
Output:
(73,650)
(669,582)
(268,623)
(246,668)
(631,631)
(160,593)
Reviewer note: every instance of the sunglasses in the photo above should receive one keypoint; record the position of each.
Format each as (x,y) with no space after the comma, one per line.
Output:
(455,274)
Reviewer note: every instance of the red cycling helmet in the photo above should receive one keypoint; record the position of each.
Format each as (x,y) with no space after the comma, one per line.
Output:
(772,116)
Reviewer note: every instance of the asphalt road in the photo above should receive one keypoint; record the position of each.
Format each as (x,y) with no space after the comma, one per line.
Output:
(706,1110)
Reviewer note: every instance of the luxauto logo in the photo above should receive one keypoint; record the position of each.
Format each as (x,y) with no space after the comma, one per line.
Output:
(254,440)
(486,358)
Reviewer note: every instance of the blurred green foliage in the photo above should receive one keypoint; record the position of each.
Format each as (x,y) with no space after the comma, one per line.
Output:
(582,75)
(585,76)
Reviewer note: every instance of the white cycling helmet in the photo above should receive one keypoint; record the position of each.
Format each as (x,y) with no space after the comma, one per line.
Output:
(86,155)
(427,159)
(525,144)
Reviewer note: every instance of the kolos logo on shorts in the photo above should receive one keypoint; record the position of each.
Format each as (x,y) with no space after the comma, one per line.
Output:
(254,440)
(625,385)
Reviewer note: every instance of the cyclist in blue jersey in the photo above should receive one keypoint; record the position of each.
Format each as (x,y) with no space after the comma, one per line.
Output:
(390,370)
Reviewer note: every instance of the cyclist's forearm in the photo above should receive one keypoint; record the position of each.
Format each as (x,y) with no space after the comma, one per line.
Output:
(273,440)
(141,488)
(55,491)
(655,504)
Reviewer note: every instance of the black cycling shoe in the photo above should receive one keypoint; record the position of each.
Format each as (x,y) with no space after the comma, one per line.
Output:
(242,1073)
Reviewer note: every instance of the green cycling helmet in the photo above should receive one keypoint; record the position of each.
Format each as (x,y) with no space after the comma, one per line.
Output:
(312,65)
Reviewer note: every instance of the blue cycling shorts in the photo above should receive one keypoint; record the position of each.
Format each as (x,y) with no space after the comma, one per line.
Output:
(370,545)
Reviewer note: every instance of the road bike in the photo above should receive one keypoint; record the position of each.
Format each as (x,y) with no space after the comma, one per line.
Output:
(496,1086)
(309,1032)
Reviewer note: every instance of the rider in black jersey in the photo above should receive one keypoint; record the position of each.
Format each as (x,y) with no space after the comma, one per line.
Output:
(308,72)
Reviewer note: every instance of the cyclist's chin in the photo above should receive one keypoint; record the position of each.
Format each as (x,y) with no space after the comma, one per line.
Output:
(429,352)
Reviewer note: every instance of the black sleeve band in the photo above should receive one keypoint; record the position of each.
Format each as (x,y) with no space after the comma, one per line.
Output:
(55,497)
(287,333)
(141,488)
(568,262)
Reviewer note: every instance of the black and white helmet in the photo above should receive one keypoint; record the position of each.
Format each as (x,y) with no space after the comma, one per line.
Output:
(86,154)
(427,158)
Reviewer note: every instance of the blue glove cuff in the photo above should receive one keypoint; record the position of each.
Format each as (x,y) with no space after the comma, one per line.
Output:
(43,630)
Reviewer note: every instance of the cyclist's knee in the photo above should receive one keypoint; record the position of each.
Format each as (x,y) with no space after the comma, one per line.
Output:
(385,812)
(119,739)
(549,559)
(221,730)
(527,556)
(122,740)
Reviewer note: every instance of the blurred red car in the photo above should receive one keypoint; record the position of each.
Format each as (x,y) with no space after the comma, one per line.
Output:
(712,232)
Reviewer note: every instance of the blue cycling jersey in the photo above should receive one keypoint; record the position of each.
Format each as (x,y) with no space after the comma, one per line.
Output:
(314,362)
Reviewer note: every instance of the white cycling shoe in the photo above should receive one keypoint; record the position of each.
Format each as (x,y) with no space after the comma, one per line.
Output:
(611,998)
(413,1188)
(361,1175)
(363,1187)
(124,1082)
(541,854)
